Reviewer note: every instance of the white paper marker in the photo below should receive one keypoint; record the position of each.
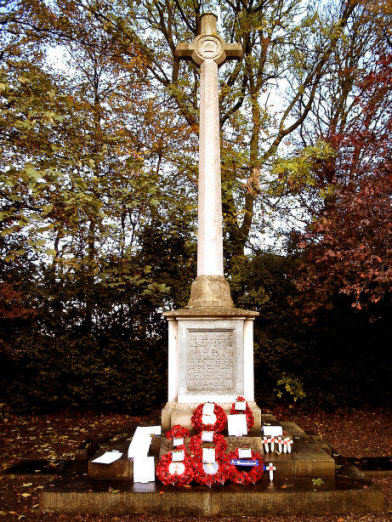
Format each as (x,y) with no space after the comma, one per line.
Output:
(108,457)
(178,442)
(208,408)
(207,436)
(280,444)
(143,469)
(290,443)
(244,453)
(211,469)
(270,468)
(208,455)
(266,441)
(272,443)
(286,441)
(272,431)
(178,456)
(176,468)
(236,425)
(208,419)
(240,406)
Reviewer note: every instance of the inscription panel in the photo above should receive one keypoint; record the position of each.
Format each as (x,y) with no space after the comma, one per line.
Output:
(210,361)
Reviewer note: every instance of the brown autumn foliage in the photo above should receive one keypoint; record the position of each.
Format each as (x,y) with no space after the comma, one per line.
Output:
(348,246)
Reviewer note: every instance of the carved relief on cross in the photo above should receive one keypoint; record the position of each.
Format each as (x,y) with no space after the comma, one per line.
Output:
(208,45)
(209,50)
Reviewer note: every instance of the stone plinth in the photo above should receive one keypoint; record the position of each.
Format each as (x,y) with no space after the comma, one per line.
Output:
(210,359)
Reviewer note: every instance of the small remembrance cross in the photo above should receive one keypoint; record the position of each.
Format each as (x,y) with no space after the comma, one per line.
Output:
(209,50)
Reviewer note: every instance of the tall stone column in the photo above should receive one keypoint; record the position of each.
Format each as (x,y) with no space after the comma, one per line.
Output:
(210,289)
(210,241)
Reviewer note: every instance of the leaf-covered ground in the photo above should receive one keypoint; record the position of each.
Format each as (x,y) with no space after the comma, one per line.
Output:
(357,433)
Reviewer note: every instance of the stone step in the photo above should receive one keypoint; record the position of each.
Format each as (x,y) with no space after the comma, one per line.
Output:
(308,458)
(99,497)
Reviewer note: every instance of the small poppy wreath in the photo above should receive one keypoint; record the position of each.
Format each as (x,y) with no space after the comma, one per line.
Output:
(167,477)
(244,477)
(177,432)
(219,425)
(208,479)
(250,420)
(196,445)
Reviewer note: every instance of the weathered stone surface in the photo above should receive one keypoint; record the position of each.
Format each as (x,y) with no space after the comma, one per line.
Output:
(122,469)
(211,291)
(306,460)
(211,312)
(179,413)
(230,500)
(210,360)
(254,443)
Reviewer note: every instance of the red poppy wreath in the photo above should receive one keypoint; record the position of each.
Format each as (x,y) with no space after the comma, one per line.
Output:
(174,473)
(209,474)
(250,420)
(177,434)
(196,445)
(244,477)
(215,422)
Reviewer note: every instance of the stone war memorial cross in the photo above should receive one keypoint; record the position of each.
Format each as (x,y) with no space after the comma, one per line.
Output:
(211,360)
(210,341)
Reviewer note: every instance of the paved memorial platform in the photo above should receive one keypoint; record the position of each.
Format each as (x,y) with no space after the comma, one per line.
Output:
(83,495)
(297,488)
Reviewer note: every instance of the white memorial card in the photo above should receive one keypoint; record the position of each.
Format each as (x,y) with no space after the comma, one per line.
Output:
(236,425)
(177,456)
(108,457)
(244,453)
(141,440)
(272,431)
(211,469)
(207,436)
(143,469)
(208,419)
(240,406)
(208,455)
(178,442)
(176,468)
(208,408)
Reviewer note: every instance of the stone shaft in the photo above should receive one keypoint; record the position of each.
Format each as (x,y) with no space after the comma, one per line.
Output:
(210,241)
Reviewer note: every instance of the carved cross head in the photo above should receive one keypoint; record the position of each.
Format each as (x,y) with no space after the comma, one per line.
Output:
(208,45)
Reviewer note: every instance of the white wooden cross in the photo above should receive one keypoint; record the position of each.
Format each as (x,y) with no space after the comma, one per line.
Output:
(270,468)
(209,50)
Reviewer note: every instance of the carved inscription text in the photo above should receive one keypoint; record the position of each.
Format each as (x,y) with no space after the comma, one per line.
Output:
(210,361)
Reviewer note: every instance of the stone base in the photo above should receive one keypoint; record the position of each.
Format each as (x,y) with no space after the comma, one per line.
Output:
(210,290)
(180,413)
(230,500)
